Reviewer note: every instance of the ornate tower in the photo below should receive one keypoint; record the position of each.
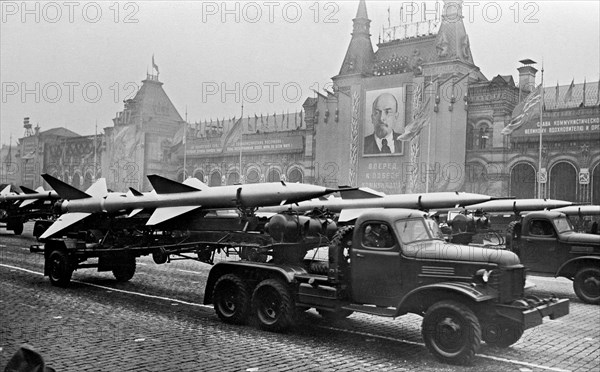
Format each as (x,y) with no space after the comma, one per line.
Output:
(359,57)
(452,41)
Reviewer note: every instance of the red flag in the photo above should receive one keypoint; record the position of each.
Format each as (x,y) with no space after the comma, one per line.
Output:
(569,94)
(234,134)
(525,111)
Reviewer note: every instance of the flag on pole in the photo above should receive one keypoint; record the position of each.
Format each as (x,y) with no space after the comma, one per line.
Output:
(154,65)
(556,95)
(569,94)
(234,134)
(525,111)
(583,100)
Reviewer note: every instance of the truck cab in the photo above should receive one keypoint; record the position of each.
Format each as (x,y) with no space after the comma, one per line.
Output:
(392,262)
(547,243)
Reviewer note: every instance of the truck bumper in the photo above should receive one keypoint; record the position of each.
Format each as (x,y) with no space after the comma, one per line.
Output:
(531,313)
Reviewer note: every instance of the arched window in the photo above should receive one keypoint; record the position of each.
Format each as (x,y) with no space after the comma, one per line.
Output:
(274,176)
(199,175)
(295,175)
(233,178)
(76,180)
(215,179)
(522,181)
(87,180)
(563,182)
(180,177)
(483,137)
(253,176)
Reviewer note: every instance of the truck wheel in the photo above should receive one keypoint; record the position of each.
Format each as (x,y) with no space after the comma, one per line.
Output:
(124,269)
(451,332)
(513,235)
(273,306)
(587,285)
(334,315)
(502,333)
(60,271)
(18,228)
(231,299)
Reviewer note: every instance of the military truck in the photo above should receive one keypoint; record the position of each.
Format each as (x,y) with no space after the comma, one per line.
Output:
(389,263)
(547,244)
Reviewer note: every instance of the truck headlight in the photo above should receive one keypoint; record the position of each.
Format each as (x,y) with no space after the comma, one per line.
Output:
(482,275)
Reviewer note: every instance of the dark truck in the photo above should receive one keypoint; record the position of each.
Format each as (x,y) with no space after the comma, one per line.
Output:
(390,263)
(546,243)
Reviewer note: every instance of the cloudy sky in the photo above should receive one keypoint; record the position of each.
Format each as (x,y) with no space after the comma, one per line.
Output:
(72,64)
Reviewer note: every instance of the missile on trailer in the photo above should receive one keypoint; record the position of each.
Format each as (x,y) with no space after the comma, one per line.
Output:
(28,196)
(171,199)
(353,202)
(575,210)
(519,205)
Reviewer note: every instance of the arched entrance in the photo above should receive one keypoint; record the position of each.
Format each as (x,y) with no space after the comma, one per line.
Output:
(563,182)
(233,178)
(295,175)
(199,175)
(76,181)
(596,185)
(215,179)
(273,176)
(253,176)
(522,181)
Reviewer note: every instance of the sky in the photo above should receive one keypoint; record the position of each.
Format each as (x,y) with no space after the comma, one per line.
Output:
(71,64)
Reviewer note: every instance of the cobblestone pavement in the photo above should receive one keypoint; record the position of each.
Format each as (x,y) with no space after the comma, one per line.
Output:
(98,324)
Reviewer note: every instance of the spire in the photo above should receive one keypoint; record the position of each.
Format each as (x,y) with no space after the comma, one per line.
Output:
(452,40)
(359,56)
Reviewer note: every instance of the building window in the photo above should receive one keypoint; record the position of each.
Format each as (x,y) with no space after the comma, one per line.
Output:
(215,179)
(483,137)
(199,175)
(295,175)
(274,176)
(233,178)
(253,176)
(470,138)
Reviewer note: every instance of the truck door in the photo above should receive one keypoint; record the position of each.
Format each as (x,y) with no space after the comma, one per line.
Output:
(375,266)
(539,248)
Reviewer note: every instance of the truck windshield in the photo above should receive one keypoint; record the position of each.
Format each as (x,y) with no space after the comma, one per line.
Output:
(563,224)
(415,230)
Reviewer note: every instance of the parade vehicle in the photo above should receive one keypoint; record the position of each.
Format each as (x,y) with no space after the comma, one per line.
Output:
(547,244)
(16,209)
(388,263)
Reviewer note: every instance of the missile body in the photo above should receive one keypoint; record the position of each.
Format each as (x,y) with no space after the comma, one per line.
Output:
(574,210)
(519,205)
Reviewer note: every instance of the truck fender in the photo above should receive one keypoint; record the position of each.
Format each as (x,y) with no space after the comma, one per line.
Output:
(250,272)
(421,298)
(569,268)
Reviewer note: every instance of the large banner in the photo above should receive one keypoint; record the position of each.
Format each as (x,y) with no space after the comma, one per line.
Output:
(384,122)
(266,144)
(561,126)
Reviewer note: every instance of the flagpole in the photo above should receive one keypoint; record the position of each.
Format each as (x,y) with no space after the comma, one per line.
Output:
(95,156)
(541,129)
(185,144)
(241,140)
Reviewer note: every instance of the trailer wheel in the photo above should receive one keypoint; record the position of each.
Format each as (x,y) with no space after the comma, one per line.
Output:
(502,333)
(124,269)
(333,316)
(18,227)
(231,299)
(587,285)
(451,332)
(59,269)
(273,306)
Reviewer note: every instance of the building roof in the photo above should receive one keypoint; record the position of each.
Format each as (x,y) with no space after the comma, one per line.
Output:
(59,132)
(571,99)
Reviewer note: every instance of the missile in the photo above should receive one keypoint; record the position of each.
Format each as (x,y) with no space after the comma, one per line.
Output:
(519,205)
(171,199)
(28,196)
(354,202)
(576,210)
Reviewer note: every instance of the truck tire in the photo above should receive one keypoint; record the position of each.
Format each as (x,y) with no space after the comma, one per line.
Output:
(231,299)
(587,285)
(59,268)
(501,333)
(18,227)
(334,315)
(273,305)
(513,237)
(124,269)
(451,332)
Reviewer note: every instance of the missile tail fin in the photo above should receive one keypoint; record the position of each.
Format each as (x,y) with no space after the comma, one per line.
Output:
(27,202)
(98,189)
(27,190)
(361,193)
(165,214)
(64,190)
(5,191)
(135,192)
(347,215)
(166,186)
(134,212)
(196,183)
(63,222)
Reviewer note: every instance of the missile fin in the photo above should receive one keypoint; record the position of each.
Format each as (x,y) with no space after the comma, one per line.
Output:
(27,190)
(166,186)
(196,183)
(98,189)
(135,192)
(134,212)
(27,202)
(361,193)
(165,214)
(63,222)
(5,191)
(347,215)
(64,190)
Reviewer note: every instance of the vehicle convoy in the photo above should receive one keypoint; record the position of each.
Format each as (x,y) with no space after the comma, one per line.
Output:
(546,243)
(16,209)
(389,263)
